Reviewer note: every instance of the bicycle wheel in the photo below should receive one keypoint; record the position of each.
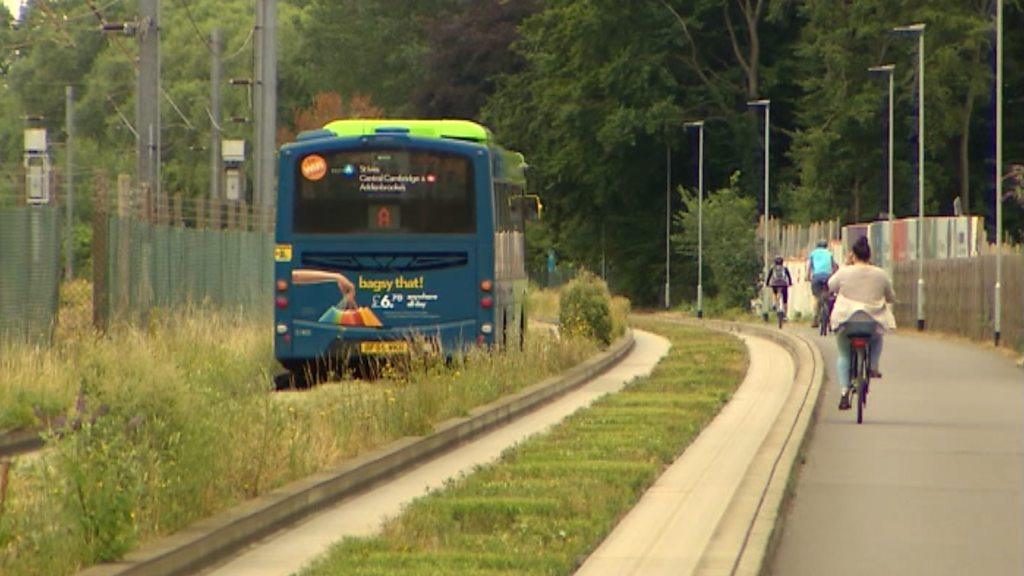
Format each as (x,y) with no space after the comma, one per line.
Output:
(862,383)
(779,313)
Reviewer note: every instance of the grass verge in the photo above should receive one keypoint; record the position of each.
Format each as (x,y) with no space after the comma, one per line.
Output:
(550,501)
(178,421)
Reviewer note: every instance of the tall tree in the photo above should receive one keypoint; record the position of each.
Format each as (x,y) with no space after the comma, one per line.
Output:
(594,111)
(466,53)
(372,47)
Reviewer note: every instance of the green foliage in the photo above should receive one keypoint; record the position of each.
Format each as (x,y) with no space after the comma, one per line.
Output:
(731,255)
(466,54)
(551,500)
(585,308)
(603,95)
(373,47)
(592,91)
(839,147)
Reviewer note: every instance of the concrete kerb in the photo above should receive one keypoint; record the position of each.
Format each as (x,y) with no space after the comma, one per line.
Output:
(749,531)
(211,540)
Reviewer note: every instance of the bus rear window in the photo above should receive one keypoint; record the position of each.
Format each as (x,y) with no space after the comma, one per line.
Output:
(396,191)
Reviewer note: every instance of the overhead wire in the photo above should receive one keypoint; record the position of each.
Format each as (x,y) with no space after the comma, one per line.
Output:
(188,15)
(135,64)
(123,119)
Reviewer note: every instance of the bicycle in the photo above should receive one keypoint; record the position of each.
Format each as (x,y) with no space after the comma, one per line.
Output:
(860,365)
(824,312)
(779,309)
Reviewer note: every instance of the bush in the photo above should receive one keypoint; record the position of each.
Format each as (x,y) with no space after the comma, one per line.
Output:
(731,255)
(585,308)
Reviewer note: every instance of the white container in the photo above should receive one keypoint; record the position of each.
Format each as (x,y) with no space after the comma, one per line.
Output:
(35,140)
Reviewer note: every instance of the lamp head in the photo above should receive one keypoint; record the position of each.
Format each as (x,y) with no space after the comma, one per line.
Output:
(884,69)
(911,30)
(694,124)
(761,102)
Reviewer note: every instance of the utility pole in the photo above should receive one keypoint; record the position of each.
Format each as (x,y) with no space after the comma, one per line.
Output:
(267,123)
(215,116)
(69,178)
(257,105)
(147,100)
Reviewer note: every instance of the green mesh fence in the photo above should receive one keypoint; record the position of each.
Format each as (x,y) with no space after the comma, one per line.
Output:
(159,266)
(30,271)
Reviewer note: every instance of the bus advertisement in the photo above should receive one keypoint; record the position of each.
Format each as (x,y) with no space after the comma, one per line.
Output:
(396,233)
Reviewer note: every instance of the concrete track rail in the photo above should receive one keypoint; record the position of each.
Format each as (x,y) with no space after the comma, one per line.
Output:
(715,510)
(365,514)
(212,540)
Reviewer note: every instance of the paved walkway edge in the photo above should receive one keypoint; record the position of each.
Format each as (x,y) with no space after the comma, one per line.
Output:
(209,541)
(749,530)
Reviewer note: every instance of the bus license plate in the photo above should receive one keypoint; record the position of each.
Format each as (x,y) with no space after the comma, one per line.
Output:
(396,347)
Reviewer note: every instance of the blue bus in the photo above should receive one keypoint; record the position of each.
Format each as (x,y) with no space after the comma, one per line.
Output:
(393,234)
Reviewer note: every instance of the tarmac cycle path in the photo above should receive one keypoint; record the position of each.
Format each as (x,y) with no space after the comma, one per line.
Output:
(930,484)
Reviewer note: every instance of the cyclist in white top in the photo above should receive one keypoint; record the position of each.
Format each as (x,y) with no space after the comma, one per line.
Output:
(863,294)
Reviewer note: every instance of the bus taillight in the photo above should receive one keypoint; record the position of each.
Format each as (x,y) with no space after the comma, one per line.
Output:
(282,285)
(486,285)
(486,302)
(281,302)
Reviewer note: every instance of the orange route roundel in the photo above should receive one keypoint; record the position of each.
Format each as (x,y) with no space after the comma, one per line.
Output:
(314,167)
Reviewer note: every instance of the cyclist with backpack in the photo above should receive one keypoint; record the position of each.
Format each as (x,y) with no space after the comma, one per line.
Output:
(779,280)
(820,267)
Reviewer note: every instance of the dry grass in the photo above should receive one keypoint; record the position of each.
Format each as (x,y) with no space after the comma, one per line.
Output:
(176,421)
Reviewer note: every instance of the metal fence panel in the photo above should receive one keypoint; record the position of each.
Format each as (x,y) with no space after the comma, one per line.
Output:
(30,269)
(164,266)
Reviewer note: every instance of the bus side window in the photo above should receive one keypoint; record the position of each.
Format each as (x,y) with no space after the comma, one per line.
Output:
(503,207)
(516,209)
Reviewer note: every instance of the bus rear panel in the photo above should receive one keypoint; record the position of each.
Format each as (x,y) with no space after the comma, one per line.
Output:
(384,243)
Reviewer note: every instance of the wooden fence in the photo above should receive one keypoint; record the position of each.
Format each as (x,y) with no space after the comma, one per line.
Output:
(796,240)
(959,296)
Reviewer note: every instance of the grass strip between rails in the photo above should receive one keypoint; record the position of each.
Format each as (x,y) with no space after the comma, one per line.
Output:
(177,421)
(548,502)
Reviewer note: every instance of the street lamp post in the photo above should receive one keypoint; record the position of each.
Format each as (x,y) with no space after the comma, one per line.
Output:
(699,125)
(668,223)
(767,104)
(998,308)
(917,30)
(888,70)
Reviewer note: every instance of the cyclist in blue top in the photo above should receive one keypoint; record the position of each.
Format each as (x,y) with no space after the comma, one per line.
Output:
(820,267)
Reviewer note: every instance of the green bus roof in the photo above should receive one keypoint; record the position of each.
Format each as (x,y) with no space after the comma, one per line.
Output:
(455,129)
